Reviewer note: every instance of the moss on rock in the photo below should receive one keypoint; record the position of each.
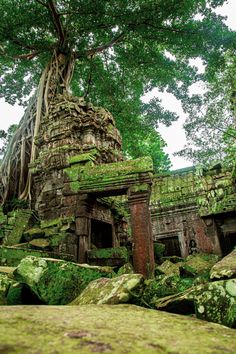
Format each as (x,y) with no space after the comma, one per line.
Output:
(109,291)
(109,329)
(114,252)
(201,262)
(226,268)
(127,268)
(168,268)
(216,302)
(163,286)
(40,243)
(57,281)
(5,283)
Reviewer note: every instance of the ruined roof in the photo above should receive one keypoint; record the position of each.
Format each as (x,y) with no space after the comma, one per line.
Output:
(212,191)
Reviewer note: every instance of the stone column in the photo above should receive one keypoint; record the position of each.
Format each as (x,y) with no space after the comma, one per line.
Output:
(83,225)
(143,254)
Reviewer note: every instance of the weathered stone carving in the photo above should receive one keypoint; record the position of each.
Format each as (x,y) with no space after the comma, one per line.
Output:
(80,160)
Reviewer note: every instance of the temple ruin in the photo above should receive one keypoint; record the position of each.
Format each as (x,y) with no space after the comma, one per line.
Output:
(90,205)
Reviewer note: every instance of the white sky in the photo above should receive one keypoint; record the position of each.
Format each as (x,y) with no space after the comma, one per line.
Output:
(174,135)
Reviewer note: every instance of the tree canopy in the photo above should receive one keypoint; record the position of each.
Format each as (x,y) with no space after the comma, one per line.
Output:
(210,126)
(113,53)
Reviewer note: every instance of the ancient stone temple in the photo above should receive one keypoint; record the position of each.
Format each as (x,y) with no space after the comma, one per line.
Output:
(91,206)
(78,168)
(193,210)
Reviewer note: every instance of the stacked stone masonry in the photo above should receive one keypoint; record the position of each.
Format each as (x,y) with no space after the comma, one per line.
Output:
(86,197)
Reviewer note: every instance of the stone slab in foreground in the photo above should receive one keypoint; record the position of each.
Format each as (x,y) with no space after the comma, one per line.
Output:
(108,329)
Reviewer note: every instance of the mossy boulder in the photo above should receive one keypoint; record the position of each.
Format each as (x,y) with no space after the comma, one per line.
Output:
(180,303)
(216,302)
(40,243)
(56,281)
(11,256)
(109,329)
(168,268)
(162,286)
(15,294)
(33,233)
(21,294)
(226,268)
(127,268)
(5,283)
(109,291)
(199,263)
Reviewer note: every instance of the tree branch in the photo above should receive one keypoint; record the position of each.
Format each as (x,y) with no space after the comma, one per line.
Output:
(57,22)
(167,29)
(115,40)
(21,44)
(27,56)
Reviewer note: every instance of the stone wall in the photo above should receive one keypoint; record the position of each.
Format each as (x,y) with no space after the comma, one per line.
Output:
(191,207)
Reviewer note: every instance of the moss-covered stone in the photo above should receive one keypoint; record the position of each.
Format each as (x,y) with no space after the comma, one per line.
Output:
(212,191)
(57,281)
(104,175)
(40,243)
(168,268)
(127,268)
(12,256)
(89,156)
(216,302)
(226,268)
(33,233)
(7,271)
(163,286)
(114,252)
(109,291)
(109,329)
(19,221)
(200,263)
(5,283)
(21,294)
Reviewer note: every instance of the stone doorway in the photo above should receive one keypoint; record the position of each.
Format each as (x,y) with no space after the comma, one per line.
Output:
(172,245)
(229,242)
(101,234)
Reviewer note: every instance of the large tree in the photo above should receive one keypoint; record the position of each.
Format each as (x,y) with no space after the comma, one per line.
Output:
(109,51)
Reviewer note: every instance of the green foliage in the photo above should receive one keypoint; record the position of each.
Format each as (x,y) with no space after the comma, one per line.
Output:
(122,50)
(210,126)
(114,252)
(15,204)
(5,138)
(159,249)
(138,142)
(164,286)
(230,147)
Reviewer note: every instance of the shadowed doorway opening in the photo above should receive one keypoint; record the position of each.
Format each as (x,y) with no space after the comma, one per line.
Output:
(101,234)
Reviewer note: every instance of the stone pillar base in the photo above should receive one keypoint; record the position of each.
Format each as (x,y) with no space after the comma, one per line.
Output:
(143,254)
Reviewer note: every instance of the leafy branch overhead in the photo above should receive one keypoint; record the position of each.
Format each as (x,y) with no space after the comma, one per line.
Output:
(210,126)
(129,41)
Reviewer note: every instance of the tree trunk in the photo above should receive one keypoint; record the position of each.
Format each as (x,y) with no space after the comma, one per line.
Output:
(16,178)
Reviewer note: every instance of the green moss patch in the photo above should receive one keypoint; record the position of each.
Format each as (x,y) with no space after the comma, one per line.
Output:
(56,281)
(109,329)
(101,176)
